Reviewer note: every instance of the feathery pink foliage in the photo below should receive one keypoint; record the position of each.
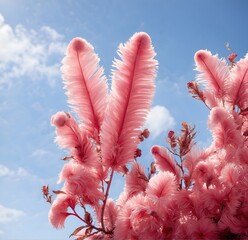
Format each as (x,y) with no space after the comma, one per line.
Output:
(85,84)
(130,100)
(58,212)
(239,84)
(214,72)
(188,192)
(136,180)
(81,182)
(164,161)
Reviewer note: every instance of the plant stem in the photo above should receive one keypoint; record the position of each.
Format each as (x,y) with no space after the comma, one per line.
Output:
(105,199)
(90,225)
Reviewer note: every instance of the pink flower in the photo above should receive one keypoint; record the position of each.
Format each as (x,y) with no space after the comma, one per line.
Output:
(136,180)
(138,220)
(205,173)
(110,214)
(164,161)
(224,128)
(161,188)
(202,229)
(58,212)
(82,182)
(231,174)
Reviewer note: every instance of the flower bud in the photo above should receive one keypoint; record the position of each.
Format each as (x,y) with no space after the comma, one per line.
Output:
(59,119)
(232,57)
(146,133)
(171,134)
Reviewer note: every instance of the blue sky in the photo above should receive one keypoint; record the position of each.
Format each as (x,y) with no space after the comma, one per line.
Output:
(33,38)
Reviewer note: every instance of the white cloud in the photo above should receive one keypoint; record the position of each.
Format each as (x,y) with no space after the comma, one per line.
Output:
(9,214)
(39,153)
(28,53)
(6,172)
(159,121)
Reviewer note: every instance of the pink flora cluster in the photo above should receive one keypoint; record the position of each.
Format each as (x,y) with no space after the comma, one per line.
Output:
(188,193)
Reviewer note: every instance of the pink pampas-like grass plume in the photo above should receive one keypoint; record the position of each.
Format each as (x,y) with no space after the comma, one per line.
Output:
(130,99)
(164,161)
(85,84)
(214,72)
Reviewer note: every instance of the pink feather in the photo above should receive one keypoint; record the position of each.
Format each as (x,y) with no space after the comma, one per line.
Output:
(214,72)
(130,99)
(69,136)
(85,84)
(239,83)
(164,161)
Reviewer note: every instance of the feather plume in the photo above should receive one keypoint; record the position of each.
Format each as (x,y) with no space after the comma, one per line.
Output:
(214,72)
(130,99)
(69,136)
(85,84)
(238,90)
(164,161)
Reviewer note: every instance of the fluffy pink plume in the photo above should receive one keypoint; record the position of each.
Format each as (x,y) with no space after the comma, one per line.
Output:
(187,192)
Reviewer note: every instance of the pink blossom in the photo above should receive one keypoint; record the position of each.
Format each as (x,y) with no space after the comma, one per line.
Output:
(110,214)
(164,160)
(138,220)
(224,129)
(161,188)
(58,212)
(136,180)
(82,182)
(231,174)
(202,229)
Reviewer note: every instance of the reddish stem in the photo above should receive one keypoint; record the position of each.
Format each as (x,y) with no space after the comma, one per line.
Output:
(105,199)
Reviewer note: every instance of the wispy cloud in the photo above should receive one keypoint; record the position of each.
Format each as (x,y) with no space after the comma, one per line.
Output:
(28,53)
(9,214)
(159,121)
(39,153)
(6,172)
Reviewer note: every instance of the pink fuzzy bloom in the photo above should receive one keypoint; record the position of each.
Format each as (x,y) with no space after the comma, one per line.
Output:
(214,72)
(211,100)
(237,224)
(137,220)
(130,100)
(202,229)
(205,173)
(123,229)
(224,129)
(59,119)
(110,214)
(243,155)
(190,162)
(238,84)
(58,212)
(82,182)
(164,161)
(136,180)
(70,136)
(121,201)
(161,188)
(231,174)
